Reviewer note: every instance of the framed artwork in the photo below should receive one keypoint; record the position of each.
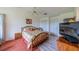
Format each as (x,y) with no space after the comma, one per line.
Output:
(28,21)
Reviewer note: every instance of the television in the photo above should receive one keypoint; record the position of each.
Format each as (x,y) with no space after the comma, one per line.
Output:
(70,31)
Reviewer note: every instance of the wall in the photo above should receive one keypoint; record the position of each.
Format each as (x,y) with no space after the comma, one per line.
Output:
(77,14)
(15,19)
(53,22)
(1,27)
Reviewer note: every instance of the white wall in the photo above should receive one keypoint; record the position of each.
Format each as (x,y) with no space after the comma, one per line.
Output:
(15,19)
(77,14)
(1,27)
(53,22)
(36,22)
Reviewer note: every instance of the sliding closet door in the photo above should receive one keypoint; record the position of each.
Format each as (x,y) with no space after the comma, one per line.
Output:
(1,27)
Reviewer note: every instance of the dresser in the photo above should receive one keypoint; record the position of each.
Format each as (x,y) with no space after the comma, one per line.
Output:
(64,45)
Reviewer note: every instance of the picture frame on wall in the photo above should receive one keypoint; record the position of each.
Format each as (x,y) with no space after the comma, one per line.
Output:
(28,21)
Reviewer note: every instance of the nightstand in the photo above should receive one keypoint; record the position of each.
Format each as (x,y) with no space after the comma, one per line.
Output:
(18,35)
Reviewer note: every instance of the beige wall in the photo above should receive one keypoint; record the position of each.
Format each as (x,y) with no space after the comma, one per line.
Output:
(15,19)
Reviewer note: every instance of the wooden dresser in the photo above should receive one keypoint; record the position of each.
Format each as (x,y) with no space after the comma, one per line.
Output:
(64,45)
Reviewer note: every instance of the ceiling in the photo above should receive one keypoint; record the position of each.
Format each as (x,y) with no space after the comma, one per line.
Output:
(51,11)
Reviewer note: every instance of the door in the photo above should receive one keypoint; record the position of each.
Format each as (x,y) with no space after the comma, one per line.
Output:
(44,23)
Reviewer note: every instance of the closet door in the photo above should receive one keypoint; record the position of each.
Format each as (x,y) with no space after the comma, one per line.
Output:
(1,27)
(54,25)
(44,23)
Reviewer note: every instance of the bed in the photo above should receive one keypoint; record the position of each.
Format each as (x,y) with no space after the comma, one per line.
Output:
(37,38)
(34,36)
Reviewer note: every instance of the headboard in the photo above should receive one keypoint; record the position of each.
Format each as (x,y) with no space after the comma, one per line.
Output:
(33,27)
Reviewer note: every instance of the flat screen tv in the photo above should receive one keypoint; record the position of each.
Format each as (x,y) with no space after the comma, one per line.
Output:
(70,31)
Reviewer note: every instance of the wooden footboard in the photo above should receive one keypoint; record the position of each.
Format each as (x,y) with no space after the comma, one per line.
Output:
(40,39)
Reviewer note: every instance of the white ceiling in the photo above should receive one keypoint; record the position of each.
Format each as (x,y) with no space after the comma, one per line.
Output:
(51,11)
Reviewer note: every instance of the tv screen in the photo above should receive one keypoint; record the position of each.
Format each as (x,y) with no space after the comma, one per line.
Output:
(70,31)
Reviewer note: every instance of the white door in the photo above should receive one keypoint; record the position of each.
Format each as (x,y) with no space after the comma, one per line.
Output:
(54,25)
(44,23)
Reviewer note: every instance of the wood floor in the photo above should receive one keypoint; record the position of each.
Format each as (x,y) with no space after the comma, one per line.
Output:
(16,45)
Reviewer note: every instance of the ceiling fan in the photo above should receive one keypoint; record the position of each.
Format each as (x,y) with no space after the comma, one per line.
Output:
(38,12)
